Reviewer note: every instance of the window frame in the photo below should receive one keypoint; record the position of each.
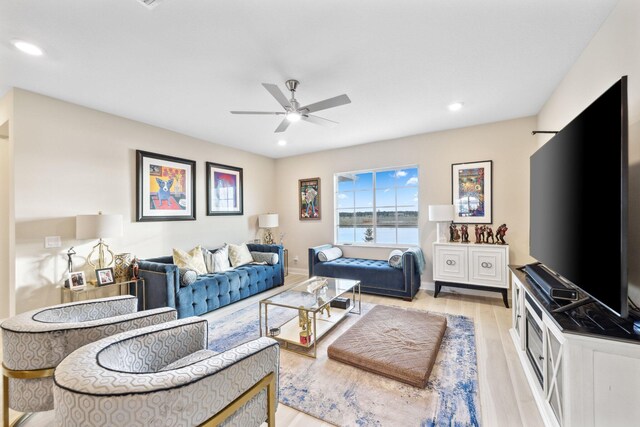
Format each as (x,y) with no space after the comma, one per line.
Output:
(373,171)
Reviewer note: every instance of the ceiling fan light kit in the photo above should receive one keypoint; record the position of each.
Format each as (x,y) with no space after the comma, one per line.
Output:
(292,110)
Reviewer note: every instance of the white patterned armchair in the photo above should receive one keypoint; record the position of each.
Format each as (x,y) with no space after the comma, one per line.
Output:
(35,342)
(163,375)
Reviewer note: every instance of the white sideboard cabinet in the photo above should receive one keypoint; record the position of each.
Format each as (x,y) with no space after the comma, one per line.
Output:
(471,266)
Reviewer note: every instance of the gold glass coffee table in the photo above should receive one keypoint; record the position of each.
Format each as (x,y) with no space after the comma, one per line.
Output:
(315,317)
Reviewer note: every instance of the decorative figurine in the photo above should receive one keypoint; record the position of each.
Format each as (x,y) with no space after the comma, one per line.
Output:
(70,254)
(479,230)
(320,301)
(135,269)
(305,323)
(454,234)
(464,231)
(500,233)
(489,236)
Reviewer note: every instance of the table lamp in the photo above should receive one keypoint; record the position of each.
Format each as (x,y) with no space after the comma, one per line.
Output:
(268,221)
(99,227)
(441,214)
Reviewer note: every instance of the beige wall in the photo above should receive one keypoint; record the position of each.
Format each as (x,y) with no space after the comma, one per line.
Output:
(509,144)
(6,208)
(72,160)
(612,53)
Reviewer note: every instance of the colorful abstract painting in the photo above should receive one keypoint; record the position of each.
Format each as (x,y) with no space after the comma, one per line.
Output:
(165,187)
(472,192)
(224,190)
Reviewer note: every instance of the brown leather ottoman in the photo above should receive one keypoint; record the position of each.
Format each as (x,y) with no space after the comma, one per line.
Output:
(393,342)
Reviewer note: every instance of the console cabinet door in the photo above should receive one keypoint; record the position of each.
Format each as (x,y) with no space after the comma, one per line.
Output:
(487,266)
(451,264)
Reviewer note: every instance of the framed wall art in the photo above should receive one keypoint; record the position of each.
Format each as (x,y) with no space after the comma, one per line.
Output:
(471,192)
(309,198)
(166,188)
(224,190)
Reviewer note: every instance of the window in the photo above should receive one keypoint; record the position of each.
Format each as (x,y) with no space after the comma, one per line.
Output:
(377,207)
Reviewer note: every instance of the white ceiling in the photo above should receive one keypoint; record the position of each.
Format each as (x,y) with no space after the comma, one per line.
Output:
(185,64)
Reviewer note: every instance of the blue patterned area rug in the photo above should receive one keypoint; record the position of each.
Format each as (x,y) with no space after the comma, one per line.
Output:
(347,396)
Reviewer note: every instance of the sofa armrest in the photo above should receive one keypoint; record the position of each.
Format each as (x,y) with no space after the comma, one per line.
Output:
(313,257)
(278,249)
(410,272)
(162,282)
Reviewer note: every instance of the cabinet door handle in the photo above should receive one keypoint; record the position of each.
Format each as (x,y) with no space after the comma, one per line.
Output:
(485,264)
(450,262)
(540,357)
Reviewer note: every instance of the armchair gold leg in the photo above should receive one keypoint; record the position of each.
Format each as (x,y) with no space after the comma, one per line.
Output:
(23,375)
(268,382)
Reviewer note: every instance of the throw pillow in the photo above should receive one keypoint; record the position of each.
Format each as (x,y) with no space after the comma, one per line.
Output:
(187,276)
(395,258)
(239,255)
(329,254)
(217,261)
(193,259)
(270,258)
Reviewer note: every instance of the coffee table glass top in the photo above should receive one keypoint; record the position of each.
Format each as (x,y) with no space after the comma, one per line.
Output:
(312,293)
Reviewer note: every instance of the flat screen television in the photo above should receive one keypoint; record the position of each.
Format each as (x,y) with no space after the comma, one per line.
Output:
(576,230)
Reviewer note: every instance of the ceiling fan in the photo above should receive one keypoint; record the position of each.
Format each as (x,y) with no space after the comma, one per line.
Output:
(293,112)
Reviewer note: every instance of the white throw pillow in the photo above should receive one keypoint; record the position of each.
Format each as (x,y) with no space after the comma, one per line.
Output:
(270,258)
(395,258)
(218,260)
(239,255)
(329,254)
(193,260)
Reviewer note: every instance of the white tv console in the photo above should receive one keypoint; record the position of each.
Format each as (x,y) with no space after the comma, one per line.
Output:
(587,379)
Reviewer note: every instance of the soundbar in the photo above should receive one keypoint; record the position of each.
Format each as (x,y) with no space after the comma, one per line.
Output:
(550,285)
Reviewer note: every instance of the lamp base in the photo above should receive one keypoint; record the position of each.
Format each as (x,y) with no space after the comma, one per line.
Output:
(102,248)
(268,237)
(442,232)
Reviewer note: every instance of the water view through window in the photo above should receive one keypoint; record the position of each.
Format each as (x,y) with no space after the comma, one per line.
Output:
(377,207)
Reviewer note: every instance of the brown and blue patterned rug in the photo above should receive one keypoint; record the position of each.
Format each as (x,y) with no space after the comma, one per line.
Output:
(347,396)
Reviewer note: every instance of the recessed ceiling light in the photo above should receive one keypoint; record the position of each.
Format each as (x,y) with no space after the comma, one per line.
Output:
(282,143)
(28,48)
(455,106)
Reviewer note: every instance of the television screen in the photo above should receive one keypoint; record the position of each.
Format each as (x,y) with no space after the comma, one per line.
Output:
(578,201)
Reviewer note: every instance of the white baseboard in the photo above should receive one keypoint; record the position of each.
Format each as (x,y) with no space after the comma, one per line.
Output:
(298,271)
(430,286)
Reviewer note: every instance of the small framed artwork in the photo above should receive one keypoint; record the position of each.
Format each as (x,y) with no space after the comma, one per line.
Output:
(76,280)
(471,192)
(224,190)
(105,276)
(309,198)
(166,188)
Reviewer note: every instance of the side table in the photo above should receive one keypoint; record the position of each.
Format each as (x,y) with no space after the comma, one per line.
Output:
(91,291)
(286,262)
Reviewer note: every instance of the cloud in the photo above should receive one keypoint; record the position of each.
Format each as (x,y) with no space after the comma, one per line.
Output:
(412,181)
(400,174)
(342,196)
(386,190)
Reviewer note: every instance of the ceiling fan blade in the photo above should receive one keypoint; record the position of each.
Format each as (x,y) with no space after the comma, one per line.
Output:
(319,121)
(283,126)
(258,112)
(327,103)
(275,91)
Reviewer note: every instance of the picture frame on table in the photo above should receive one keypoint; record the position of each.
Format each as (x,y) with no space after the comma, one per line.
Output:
(472,192)
(225,190)
(105,276)
(76,280)
(309,199)
(165,188)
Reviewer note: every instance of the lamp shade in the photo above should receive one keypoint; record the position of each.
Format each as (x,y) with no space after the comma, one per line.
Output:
(440,213)
(98,226)
(268,220)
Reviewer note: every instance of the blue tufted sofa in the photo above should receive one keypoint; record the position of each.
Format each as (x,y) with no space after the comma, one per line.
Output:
(376,277)
(210,291)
